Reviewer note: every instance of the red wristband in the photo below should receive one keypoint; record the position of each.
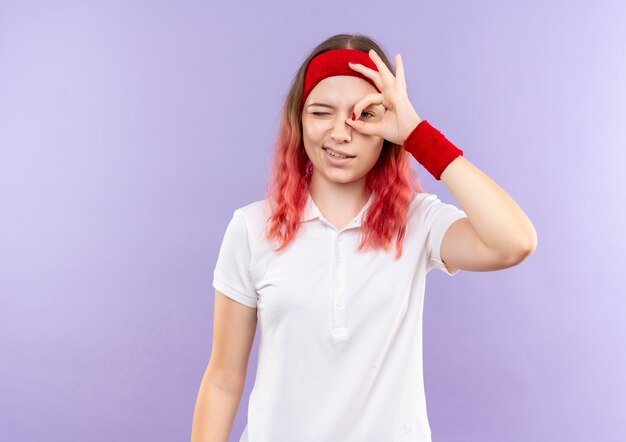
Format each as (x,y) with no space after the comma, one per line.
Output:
(431,148)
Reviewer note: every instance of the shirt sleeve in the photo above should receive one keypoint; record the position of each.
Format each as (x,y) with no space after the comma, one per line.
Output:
(232,269)
(438,217)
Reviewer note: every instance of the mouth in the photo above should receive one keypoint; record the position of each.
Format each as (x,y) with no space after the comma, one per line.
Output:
(337,153)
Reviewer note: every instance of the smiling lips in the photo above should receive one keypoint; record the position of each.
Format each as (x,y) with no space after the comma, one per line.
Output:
(338,152)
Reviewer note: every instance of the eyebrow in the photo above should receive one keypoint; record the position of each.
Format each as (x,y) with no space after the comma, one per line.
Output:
(332,107)
(321,104)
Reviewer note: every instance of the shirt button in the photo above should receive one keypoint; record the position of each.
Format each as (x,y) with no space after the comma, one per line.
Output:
(339,259)
(338,303)
(340,238)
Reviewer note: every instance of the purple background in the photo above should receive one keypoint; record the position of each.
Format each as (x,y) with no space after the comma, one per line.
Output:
(130,131)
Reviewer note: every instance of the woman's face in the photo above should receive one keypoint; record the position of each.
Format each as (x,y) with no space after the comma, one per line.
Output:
(326,109)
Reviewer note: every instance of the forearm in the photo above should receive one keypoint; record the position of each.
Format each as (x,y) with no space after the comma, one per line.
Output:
(499,222)
(215,411)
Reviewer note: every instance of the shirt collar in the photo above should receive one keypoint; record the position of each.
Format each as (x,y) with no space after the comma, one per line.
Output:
(311,211)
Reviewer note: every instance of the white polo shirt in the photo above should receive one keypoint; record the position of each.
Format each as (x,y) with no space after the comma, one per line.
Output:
(340,350)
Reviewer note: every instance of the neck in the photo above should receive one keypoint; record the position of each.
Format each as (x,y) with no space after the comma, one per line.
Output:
(338,201)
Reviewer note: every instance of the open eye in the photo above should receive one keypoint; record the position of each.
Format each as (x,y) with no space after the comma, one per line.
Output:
(371,114)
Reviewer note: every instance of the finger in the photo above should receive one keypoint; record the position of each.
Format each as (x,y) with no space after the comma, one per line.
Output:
(369,73)
(366,102)
(364,127)
(382,67)
(400,71)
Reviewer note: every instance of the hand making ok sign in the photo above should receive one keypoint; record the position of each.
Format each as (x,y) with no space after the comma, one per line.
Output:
(400,117)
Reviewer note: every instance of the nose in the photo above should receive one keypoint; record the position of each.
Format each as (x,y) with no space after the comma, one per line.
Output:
(341,131)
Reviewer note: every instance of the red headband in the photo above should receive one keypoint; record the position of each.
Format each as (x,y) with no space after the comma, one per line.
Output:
(335,62)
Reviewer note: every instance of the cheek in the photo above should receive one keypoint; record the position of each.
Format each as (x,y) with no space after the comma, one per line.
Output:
(376,149)
(317,127)
(374,155)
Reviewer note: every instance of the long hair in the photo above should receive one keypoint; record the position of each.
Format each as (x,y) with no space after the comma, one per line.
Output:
(391,178)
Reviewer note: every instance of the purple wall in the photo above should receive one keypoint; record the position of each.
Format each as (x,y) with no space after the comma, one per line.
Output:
(122,133)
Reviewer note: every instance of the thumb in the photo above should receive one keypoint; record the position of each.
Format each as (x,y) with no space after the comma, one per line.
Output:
(362,126)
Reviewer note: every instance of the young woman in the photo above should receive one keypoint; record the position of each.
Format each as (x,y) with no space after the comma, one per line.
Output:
(339,308)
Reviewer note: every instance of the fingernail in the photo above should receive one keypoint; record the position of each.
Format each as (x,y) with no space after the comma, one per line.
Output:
(353,116)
